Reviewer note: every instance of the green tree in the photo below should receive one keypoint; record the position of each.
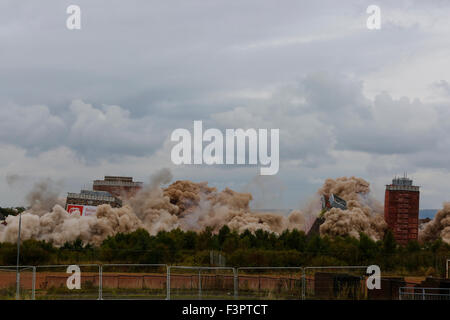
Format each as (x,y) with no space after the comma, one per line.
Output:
(223,234)
(205,239)
(368,249)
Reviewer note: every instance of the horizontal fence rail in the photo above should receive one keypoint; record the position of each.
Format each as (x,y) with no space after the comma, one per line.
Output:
(134,281)
(335,282)
(418,293)
(201,282)
(270,282)
(52,282)
(160,281)
(17,282)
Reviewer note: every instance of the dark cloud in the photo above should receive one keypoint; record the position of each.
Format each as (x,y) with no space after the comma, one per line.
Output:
(137,70)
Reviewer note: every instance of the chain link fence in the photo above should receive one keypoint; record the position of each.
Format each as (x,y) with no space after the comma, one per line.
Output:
(54,282)
(159,281)
(270,283)
(335,283)
(201,282)
(10,276)
(417,293)
(134,281)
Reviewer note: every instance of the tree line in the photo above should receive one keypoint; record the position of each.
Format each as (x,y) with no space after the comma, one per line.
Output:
(260,248)
(4,212)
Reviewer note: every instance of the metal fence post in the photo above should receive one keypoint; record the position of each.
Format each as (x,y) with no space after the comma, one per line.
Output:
(18,284)
(18,262)
(168,283)
(100,282)
(303,283)
(199,284)
(236,283)
(33,285)
(447,264)
(423,294)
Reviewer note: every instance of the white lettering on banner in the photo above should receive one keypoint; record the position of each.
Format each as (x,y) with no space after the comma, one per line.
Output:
(82,210)
(89,211)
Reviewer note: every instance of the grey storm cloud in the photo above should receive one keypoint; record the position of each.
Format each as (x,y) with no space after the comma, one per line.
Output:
(443,86)
(326,112)
(321,113)
(139,69)
(152,55)
(93,132)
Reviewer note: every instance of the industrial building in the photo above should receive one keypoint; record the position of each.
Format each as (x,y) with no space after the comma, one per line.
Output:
(118,186)
(401,209)
(92,198)
(328,202)
(110,191)
(333,201)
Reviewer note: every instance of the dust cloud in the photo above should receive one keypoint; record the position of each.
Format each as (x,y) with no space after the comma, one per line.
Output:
(183,204)
(194,206)
(439,227)
(364,214)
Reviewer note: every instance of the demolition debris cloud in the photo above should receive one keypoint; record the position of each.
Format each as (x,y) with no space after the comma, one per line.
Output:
(194,206)
(439,227)
(364,214)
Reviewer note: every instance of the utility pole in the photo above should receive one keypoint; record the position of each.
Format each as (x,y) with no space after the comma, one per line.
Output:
(18,255)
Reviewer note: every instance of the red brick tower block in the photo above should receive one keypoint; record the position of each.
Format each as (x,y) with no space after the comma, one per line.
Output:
(401,209)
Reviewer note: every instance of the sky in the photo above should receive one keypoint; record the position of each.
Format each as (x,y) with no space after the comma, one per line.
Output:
(76,105)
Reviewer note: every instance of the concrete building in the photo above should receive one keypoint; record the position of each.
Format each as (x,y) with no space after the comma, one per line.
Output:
(401,209)
(333,201)
(92,198)
(118,186)
(328,202)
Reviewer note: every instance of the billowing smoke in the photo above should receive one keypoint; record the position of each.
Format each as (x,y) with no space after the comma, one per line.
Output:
(43,196)
(439,227)
(47,220)
(192,206)
(58,226)
(363,214)
(195,206)
(183,204)
(267,192)
(12,179)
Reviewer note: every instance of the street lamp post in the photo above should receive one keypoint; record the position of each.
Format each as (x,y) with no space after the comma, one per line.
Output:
(18,255)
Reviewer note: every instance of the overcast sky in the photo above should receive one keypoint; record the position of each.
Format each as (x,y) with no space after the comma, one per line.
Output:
(76,105)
